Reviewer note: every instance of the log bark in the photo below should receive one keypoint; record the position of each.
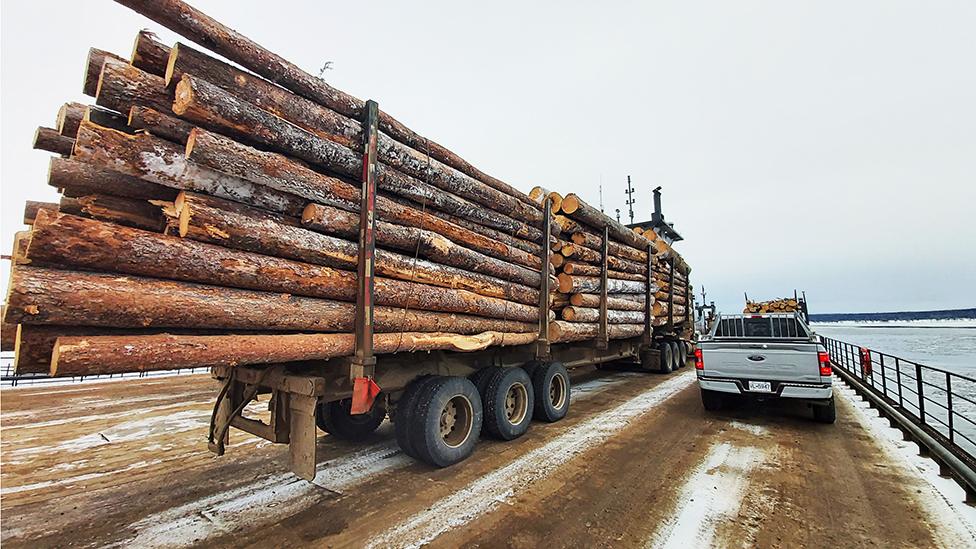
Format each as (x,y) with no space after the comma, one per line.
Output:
(621,302)
(120,86)
(93,69)
(75,298)
(207,105)
(18,252)
(217,221)
(595,242)
(47,139)
(585,314)
(202,29)
(8,333)
(592,270)
(284,174)
(107,354)
(579,210)
(31,207)
(423,243)
(74,242)
(69,118)
(80,179)
(500,236)
(569,284)
(123,211)
(661,309)
(159,124)
(149,54)
(159,161)
(561,331)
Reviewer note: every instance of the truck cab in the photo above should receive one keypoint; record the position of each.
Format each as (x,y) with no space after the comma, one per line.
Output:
(765,356)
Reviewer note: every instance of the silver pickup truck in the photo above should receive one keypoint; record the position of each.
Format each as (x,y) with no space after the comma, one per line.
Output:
(765,356)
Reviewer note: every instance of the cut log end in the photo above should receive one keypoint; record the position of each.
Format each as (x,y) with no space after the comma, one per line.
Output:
(570,203)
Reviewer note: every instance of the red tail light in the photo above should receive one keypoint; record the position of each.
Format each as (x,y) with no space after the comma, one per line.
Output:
(824,359)
(699,363)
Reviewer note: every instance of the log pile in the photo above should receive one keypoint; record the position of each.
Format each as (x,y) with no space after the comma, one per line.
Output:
(210,216)
(578,260)
(783,305)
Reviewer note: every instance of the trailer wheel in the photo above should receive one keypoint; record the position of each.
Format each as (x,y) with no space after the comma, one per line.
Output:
(667,360)
(552,390)
(481,378)
(825,414)
(403,418)
(712,400)
(446,422)
(508,401)
(334,418)
(676,355)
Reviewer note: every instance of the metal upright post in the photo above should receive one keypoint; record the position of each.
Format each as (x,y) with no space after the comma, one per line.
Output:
(363,363)
(603,340)
(671,297)
(542,344)
(649,298)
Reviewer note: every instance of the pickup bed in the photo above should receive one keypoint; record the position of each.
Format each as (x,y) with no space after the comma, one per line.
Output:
(765,356)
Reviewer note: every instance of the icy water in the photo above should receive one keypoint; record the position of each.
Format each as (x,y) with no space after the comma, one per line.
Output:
(950,347)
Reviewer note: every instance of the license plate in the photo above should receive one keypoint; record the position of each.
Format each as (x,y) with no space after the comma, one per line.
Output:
(761,386)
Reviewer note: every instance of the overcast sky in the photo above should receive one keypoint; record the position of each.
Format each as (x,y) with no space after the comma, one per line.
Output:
(828,146)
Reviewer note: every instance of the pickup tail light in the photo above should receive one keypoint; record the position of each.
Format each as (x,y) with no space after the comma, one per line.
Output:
(825,368)
(700,364)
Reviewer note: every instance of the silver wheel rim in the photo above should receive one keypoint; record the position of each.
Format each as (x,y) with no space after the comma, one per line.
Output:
(456,420)
(516,403)
(557,391)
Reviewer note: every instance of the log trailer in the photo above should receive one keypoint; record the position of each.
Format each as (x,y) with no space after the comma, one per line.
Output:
(439,402)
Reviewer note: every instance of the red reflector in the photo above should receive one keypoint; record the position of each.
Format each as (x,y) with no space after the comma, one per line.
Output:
(825,368)
(699,363)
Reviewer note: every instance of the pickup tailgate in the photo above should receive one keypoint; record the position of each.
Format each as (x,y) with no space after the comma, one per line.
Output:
(773,361)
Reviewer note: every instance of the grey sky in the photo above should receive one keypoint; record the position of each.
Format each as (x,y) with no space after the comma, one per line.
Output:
(828,146)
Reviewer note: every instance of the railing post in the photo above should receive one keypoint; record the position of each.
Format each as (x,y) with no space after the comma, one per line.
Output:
(921,392)
(898,381)
(949,404)
(884,378)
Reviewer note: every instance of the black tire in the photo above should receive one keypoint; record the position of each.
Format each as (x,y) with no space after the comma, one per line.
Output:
(649,361)
(446,422)
(712,400)
(667,360)
(334,418)
(676,355)
(685,352)
(482,377)
(404,413)
(825,414)
(552,392)
(508,402)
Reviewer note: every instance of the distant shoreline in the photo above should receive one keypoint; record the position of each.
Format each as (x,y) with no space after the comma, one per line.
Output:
(899,316)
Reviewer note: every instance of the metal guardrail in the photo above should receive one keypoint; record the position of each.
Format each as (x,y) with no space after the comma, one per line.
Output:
(939,404)
(9,379)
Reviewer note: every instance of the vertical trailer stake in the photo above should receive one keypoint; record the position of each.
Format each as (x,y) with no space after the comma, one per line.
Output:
(671,298)
(649,298)
(542,344)
(363,363)
(603,341)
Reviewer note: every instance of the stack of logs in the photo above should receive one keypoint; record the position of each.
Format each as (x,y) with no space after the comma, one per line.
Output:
(210,216)
(784,305)
(578,259)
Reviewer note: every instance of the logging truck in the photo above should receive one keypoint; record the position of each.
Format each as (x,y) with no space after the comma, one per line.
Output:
(440,402)
(255,220)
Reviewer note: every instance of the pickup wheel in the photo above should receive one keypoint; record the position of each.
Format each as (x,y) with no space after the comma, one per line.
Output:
(508,401)
(550,383)
(404,413)
(334,418)
(667,359)
(825,414)
(712,400)
(446,422)
(676,355)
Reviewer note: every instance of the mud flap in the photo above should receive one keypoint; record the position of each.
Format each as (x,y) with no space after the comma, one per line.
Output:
(364,393)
